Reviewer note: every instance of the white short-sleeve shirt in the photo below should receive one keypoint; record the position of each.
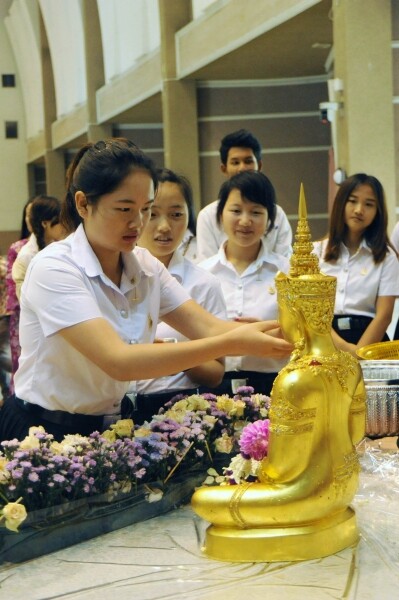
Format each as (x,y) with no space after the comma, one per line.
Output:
(65,285)
(360,281)
(188,246)
(21,263)
(210,234)
(206,290)
(395,237)
(250,294)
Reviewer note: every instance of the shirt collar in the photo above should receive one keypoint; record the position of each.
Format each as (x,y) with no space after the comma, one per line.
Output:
(363,247)
(264,256)
(84,255)
(176,265)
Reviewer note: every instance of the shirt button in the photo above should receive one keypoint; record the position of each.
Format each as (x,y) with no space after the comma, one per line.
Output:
(240,286)
(341,291)
(124,313)
(239,313)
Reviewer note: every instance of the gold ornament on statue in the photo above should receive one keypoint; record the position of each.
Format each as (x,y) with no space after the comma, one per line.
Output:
(299,509)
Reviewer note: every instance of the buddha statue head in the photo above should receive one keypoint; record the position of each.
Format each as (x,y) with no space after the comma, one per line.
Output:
(306,297)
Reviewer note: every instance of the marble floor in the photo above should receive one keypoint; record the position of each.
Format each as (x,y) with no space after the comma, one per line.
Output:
(161,558)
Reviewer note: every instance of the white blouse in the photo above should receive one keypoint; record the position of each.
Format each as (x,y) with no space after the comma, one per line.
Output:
(359,280)
(21,263)
(65,285)
(206,290)
(250,294)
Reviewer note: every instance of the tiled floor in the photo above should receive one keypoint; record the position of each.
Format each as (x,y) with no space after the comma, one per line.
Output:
(161,558)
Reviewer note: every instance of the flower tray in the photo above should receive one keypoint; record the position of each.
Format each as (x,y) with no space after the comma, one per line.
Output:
(51,529)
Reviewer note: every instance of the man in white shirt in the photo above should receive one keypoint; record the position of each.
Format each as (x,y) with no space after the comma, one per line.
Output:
(239,151)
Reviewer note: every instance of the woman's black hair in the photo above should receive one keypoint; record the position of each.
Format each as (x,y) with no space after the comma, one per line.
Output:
(99,169)
(24,228)
(186,189)
(376,235)
(44,208)
(253,186)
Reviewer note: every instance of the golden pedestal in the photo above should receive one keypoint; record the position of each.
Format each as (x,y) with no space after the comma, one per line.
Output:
(282,544)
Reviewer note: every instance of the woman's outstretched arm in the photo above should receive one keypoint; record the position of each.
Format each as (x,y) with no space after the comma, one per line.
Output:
(98,341)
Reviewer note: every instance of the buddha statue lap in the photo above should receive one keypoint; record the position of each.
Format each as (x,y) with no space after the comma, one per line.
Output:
(299,509)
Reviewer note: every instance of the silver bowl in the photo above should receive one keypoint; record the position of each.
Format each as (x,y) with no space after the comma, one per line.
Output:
(381,379)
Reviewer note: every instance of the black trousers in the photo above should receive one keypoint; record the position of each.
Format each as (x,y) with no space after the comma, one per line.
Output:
(148,405)
(352,327)
(16,418)
(261,382)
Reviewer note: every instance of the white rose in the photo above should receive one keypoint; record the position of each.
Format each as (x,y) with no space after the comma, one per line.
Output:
(14,513)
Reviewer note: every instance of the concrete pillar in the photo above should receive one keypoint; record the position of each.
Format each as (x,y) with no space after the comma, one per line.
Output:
(55,173)
(94,63)
(179,100)
(53,159)
(363,61)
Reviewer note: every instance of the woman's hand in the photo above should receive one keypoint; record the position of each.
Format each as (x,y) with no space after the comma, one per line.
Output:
(262,338)
(342,344)
(246,320)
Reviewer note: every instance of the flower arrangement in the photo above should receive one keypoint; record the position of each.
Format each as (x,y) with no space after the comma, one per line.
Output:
(38,472)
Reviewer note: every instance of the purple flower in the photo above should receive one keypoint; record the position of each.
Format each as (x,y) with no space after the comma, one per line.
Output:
(254,439)
(33,477)
(245,390)
(17,473)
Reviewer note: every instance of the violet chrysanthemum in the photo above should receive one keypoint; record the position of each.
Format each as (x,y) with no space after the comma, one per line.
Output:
(254,439)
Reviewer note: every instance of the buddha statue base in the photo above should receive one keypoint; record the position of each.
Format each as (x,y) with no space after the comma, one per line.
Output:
(281,544)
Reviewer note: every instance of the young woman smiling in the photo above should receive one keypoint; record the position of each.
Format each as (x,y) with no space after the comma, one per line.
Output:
(172,213)
(90,305)
(358,253)
(246,270)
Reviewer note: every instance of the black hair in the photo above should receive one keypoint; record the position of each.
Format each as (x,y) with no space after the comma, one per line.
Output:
(186,189)
(240,139)
(253,186)
(376,235)
(99,169)
(24,228)
(44,208)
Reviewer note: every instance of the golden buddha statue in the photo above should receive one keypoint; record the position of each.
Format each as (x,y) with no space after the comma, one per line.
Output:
(299,509)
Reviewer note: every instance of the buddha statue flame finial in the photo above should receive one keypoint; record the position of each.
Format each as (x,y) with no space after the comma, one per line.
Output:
(304,287)
(303,261)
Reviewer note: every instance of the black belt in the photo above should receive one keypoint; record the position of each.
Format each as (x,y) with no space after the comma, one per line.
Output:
(347,322)
(148,405)
(246,374)
(60,417)
(163,397)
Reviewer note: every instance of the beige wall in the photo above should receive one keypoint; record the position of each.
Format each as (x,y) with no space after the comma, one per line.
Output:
(285,118)
(282,113)
(13,175)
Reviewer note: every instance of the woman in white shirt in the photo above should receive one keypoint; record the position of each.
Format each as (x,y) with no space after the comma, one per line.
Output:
(90,306)
(44,217)
(358,253)
(246,270)
(171,214)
